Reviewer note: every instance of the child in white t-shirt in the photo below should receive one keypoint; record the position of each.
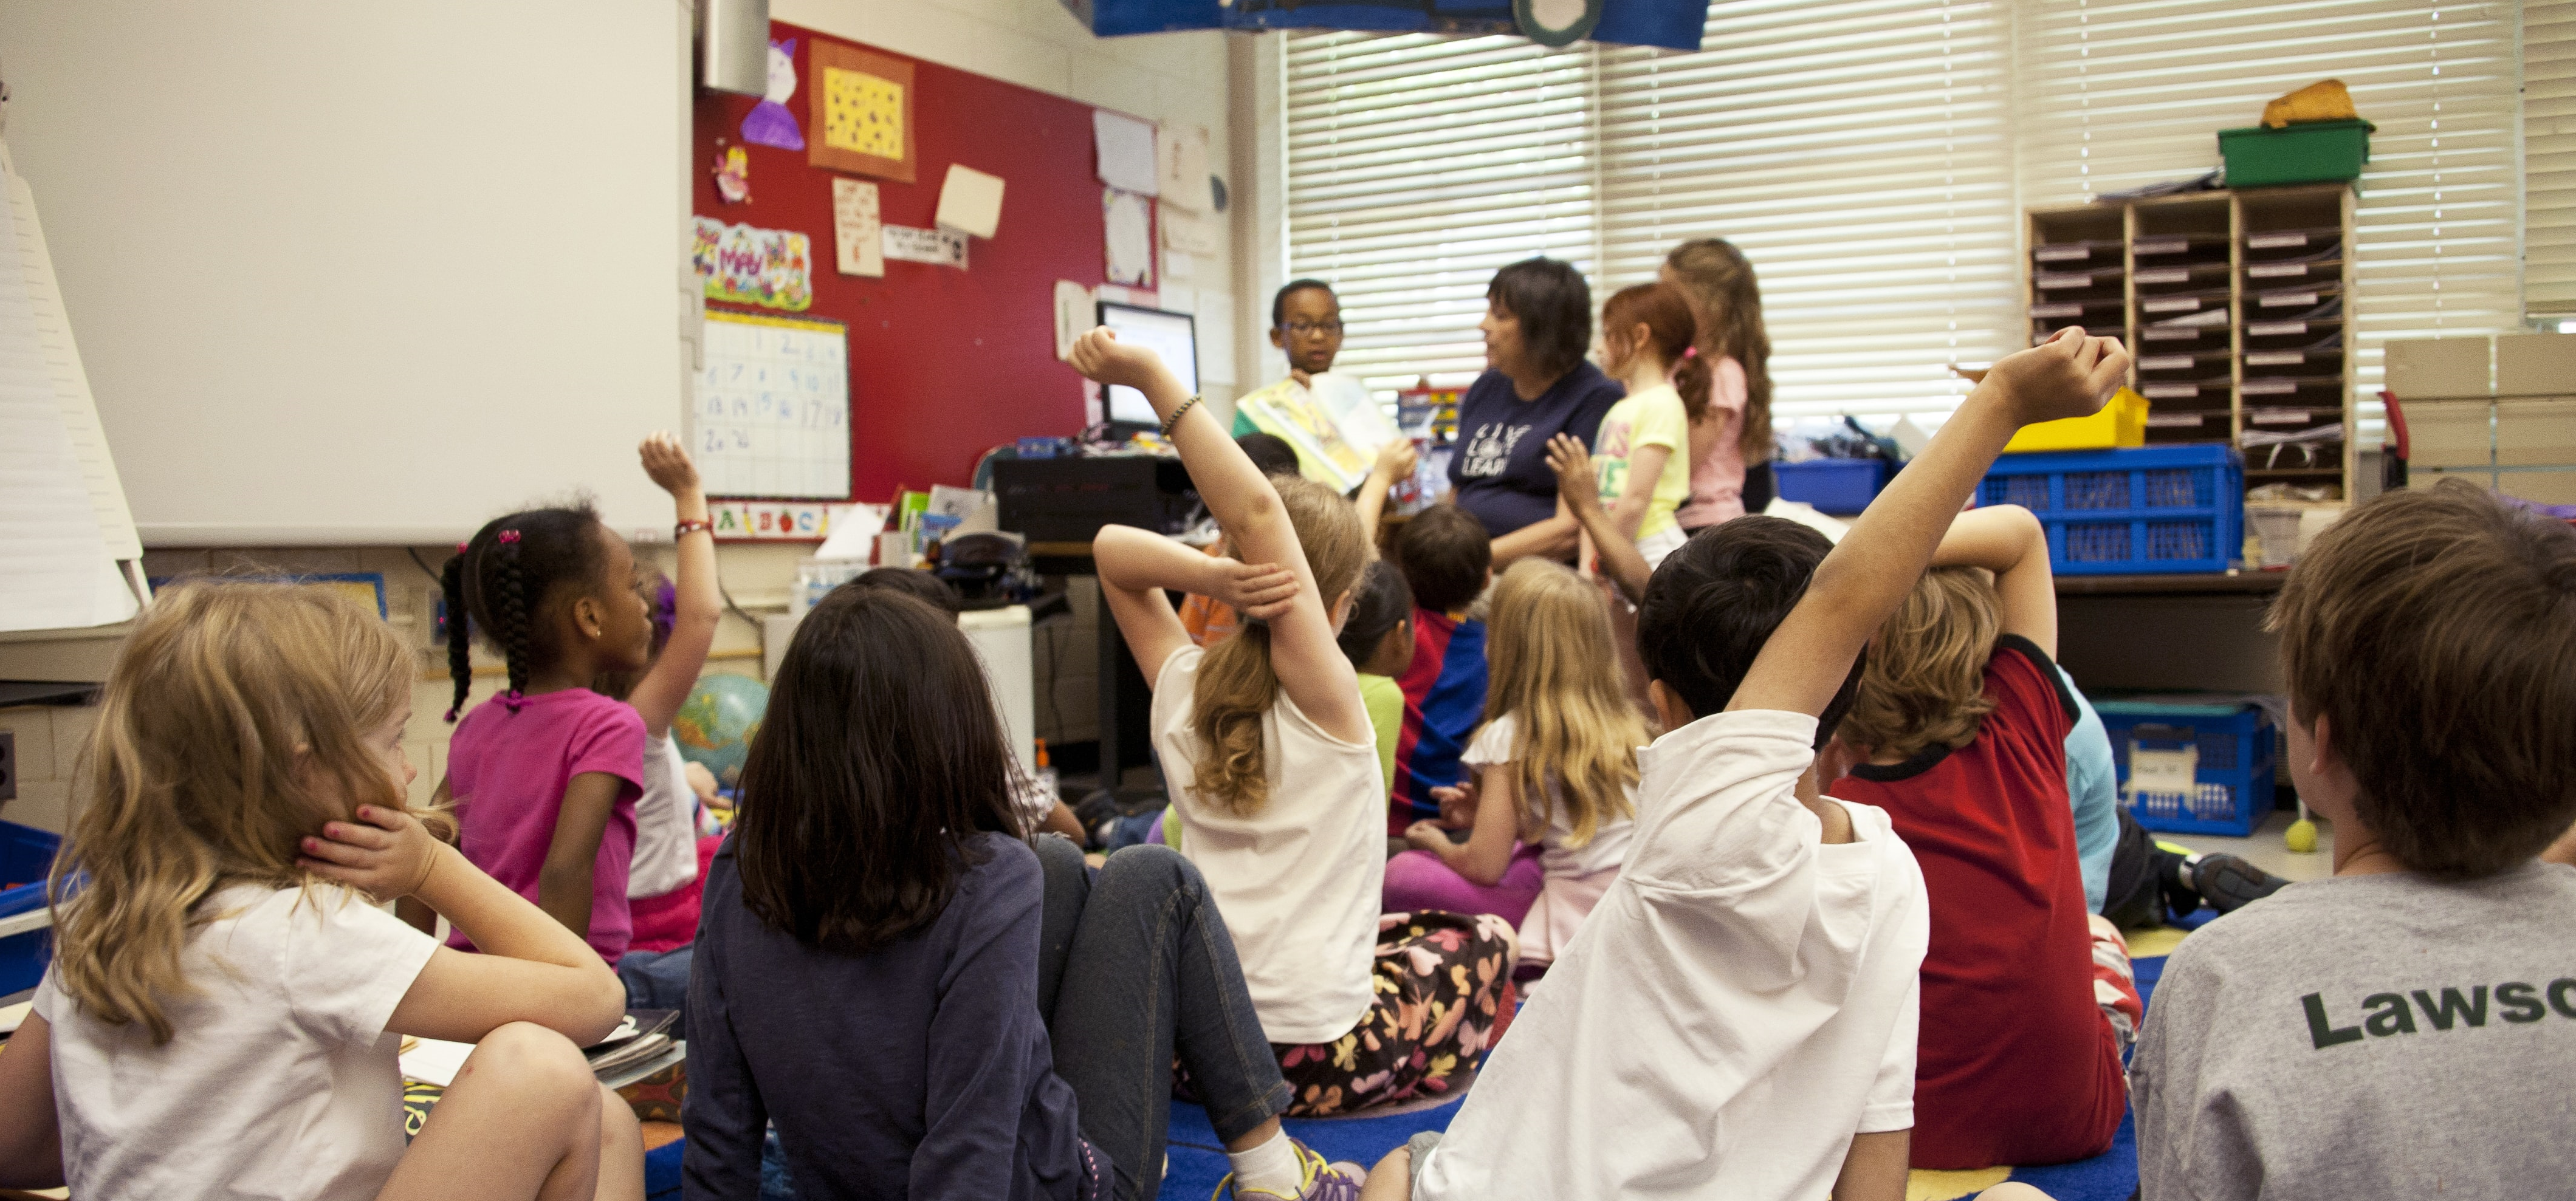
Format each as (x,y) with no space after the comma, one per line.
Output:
(1737,1019)
(1554,768)
(225,1003)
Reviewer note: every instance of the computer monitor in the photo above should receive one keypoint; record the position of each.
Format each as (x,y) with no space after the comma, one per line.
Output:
(1174,336)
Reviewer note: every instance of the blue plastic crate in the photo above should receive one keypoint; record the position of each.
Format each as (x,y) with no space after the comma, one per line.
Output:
(1833,485)
(26,855)
(2232,775)
(2140,511)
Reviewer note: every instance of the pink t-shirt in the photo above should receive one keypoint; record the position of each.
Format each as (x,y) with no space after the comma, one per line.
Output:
(507,771)
(1717,479)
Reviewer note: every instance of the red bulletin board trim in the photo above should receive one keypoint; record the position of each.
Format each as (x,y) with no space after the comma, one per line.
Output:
(944,364)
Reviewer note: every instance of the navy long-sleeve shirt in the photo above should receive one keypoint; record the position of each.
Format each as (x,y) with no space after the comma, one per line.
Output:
(919,1070)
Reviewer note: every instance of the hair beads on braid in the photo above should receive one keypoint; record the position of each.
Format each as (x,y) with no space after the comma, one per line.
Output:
(507,578)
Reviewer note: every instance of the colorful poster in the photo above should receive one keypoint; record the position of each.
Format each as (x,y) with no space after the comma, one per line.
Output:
(772,268)
(857,246)
(860,107)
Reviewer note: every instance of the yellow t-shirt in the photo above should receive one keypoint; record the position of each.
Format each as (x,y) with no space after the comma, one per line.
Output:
(1653,417)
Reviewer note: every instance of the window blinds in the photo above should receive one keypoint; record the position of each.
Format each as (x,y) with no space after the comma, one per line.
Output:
(1873,157)
(2549,158)
(2118,93)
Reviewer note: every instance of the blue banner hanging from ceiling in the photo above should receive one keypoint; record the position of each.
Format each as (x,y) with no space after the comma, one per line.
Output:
(1671,24)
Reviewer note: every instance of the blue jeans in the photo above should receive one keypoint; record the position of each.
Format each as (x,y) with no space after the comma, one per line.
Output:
(657,979)
(1157,980)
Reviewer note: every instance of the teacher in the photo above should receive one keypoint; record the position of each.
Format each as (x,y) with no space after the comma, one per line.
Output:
(1538,323)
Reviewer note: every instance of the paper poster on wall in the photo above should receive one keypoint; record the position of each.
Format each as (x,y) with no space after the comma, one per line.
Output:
(769,123)
(858,248)
(1177,265)
(1129,236)
(1126,149)
(970,201)
(1181,166)
(772,417)
(771,268)
(1075,314)
(938,247)
(733,176)
(1185,231)
(861,110)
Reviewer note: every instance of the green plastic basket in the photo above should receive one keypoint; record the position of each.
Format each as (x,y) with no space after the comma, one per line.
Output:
(2312,152)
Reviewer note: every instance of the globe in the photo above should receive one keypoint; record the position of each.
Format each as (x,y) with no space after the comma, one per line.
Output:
(714,727)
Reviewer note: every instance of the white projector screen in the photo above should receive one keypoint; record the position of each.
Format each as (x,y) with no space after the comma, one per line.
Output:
(363,273)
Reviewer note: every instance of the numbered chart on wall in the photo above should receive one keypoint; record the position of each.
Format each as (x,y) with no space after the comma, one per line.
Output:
(772,417)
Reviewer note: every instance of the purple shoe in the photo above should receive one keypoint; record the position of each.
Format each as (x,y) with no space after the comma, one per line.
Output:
(1322,1181)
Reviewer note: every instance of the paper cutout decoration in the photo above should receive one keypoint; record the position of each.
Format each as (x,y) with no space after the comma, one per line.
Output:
(1181,166)
(970,202)
(1187,232)
(861,110)
(857,246)
(1075,314)
(938,247)
(769,123)
(1129,237)
(733,176)
(1126,149)
(772,268)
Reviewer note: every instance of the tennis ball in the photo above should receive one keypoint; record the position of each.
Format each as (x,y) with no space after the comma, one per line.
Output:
(2301,836)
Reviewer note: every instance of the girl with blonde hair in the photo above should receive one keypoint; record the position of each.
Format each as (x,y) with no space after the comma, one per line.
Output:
(1554,770)
(226,1000)
(1269,756)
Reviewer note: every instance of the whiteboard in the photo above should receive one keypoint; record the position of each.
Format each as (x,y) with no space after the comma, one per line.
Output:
(772,416)
(365,274)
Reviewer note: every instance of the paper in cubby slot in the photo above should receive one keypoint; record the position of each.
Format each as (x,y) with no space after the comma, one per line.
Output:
(2183,389)
(2075,281)
(2289,271)
(2169,419)
(2318,448)
(2172,245)
(2271,242)
(2209,318)
(2324,354)
(2055,254)
(2180,360)
(2169,335)
(2075,306)
(2171,304)
(2327,315)
(2290,385)
(2180,275)
(2308,295)
(2277,415)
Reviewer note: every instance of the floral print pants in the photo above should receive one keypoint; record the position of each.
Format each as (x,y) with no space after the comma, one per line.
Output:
(1444,995)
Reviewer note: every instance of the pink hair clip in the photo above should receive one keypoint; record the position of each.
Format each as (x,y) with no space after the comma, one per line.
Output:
(1690,352)
(460,548)
(514,700)
(509,535)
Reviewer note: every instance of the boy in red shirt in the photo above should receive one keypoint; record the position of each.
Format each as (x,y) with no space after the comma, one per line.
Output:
(1959,733)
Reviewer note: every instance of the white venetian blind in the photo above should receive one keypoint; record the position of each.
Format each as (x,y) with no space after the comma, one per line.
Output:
(1857,152)
(2549,157)
(2117,93)
(1416,166)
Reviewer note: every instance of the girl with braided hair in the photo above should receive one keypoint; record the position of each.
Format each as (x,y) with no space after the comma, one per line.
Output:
(544,778)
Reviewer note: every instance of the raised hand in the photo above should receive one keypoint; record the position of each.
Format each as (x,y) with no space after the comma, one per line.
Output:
(385,853)
(1101,356)
(2070,375)
(1257,590)
(1576,481)
(1396,461)
(668,463)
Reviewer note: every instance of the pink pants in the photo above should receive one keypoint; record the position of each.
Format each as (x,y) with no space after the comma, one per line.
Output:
(1417,880)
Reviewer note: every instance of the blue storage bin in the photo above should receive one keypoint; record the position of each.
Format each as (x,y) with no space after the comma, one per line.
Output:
(2139,511)
(1843,486)
(2232,748)
(26,855)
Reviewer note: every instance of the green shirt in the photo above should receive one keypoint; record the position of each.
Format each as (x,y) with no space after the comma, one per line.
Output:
(1654,417)
(1385,702)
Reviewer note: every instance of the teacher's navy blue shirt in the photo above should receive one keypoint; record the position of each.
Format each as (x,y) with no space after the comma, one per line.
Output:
(1500,473)
(920,1069)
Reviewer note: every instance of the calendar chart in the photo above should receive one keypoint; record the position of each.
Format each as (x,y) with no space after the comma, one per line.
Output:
(773,407)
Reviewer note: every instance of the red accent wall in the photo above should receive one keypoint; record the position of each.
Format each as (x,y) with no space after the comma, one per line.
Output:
(944,364)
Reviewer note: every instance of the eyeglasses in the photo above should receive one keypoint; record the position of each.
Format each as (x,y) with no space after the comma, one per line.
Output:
(1308,329)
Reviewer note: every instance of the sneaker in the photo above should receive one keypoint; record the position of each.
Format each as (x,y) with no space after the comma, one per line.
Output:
(2229,883)
(1322,1181)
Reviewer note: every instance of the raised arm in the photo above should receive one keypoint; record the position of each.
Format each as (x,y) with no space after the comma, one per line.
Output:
(1137,566)
(1580,492)
(1871,570)
(2008,541)
(1309,664)
(696,602)
(1395,463)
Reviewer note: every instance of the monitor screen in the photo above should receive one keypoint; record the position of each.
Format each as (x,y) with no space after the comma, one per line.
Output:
(1171,335)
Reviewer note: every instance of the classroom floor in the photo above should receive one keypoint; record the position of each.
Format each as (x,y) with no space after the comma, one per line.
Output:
(2266,850)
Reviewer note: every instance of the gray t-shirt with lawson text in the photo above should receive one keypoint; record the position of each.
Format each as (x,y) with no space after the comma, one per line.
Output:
(2365,1037)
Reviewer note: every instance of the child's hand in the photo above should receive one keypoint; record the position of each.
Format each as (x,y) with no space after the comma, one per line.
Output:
(668,463)
(2070,375)
(1427,836)
(1457,804)
(386,853)
(1575,479)
(1256,590)
(1396,460)
(1101,356)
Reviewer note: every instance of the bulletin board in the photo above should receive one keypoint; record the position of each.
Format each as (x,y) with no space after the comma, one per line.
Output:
(943,363)
(773,407)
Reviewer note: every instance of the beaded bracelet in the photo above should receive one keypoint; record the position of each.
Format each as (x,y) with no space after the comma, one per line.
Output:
(1173,422)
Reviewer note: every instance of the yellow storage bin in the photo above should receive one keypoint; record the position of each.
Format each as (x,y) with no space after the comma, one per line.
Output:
(2121,423)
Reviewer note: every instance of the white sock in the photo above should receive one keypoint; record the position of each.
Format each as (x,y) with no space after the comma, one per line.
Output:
(1270,1167)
